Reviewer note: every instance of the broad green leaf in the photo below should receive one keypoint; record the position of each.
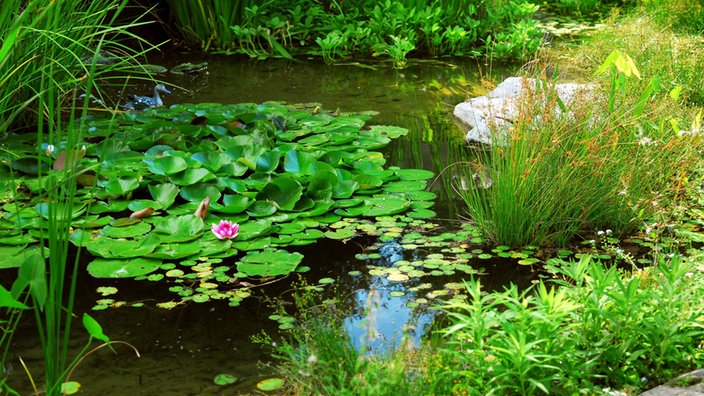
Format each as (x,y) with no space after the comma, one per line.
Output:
(269,263)
(7,301)
(164,193)
(284,191)
(179,228)
(122,268)
(167,165)
(32,274)
(94,328)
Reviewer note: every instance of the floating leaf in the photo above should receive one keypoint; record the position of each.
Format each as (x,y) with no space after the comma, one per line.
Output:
(122,268)
(269,263)
(224,379)
(270,384)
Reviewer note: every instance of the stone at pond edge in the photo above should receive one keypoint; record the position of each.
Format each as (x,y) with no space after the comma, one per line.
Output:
(690,384)
(492,114)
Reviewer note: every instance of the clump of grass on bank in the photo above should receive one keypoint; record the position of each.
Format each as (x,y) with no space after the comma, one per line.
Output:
(620,156)
(608,163)
(590,329)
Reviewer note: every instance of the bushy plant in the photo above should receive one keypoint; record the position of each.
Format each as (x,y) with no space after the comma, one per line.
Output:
(601,328)
(363,28)
(599,164)
(51,53)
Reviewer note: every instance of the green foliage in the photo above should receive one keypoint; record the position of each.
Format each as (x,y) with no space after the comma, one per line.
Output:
(601,328)
(51,52)
(68,41)
(317,356)
(559,173)
(363,28)
(681,15)
(157,183)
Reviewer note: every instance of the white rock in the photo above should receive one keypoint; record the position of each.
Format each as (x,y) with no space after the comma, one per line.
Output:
(490,117)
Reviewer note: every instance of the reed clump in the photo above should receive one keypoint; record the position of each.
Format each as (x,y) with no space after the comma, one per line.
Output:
(611,160)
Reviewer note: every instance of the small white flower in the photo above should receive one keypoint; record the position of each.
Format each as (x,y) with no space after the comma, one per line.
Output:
(619,251)
(600,232)
(50,150)
(645,141)
(312,359)
(608,231)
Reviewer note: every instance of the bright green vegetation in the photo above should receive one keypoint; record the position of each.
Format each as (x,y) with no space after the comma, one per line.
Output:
(283,173)
(361,28)
(619,158)
(51,52)
(590,328)
(626,160)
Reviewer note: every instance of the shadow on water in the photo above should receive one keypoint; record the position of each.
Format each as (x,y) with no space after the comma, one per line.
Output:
(183,349)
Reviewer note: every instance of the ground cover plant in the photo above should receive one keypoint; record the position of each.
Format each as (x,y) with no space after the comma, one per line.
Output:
(591,328)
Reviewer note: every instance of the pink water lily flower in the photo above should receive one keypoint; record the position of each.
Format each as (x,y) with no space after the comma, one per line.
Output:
(226,229)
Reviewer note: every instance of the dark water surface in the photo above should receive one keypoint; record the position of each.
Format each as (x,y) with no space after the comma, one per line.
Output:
(183,349)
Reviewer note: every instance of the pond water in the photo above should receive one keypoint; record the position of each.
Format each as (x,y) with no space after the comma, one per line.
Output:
(183,349)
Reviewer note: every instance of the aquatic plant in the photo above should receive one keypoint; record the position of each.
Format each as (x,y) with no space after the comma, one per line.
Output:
(361,28)
(51,53)
(282,173)
(225,229)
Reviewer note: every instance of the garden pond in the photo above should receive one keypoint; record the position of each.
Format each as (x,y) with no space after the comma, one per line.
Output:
(174,294)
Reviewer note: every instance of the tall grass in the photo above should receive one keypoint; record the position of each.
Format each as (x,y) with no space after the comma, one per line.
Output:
(49,56)
(606,164)
(209,22)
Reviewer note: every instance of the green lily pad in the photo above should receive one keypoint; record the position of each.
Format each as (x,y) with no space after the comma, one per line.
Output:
(414,174)
(179,228)
(121,248)
(14,256)
(167,165)
(224,379)
(130,231)
(269,263)
(284,191)
(270,384)
(122,268)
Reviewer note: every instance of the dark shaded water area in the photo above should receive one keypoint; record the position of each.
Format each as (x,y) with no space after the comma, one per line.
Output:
(184,348)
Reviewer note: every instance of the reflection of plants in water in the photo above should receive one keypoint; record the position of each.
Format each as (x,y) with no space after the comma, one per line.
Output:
(285,174)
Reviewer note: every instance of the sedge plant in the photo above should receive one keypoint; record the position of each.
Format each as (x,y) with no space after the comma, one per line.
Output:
(50,69)
(598,164)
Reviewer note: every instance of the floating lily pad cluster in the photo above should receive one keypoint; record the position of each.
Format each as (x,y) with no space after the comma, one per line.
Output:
(286,174)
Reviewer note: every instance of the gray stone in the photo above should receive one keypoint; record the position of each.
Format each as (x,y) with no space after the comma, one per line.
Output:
(490,117)
(690,384)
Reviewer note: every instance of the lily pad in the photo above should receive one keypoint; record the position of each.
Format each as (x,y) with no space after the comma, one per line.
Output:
(269,263)
(122,268)
(270,384)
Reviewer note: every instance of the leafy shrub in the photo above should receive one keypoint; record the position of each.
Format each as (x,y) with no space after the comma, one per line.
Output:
(364,28)
(601,328)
